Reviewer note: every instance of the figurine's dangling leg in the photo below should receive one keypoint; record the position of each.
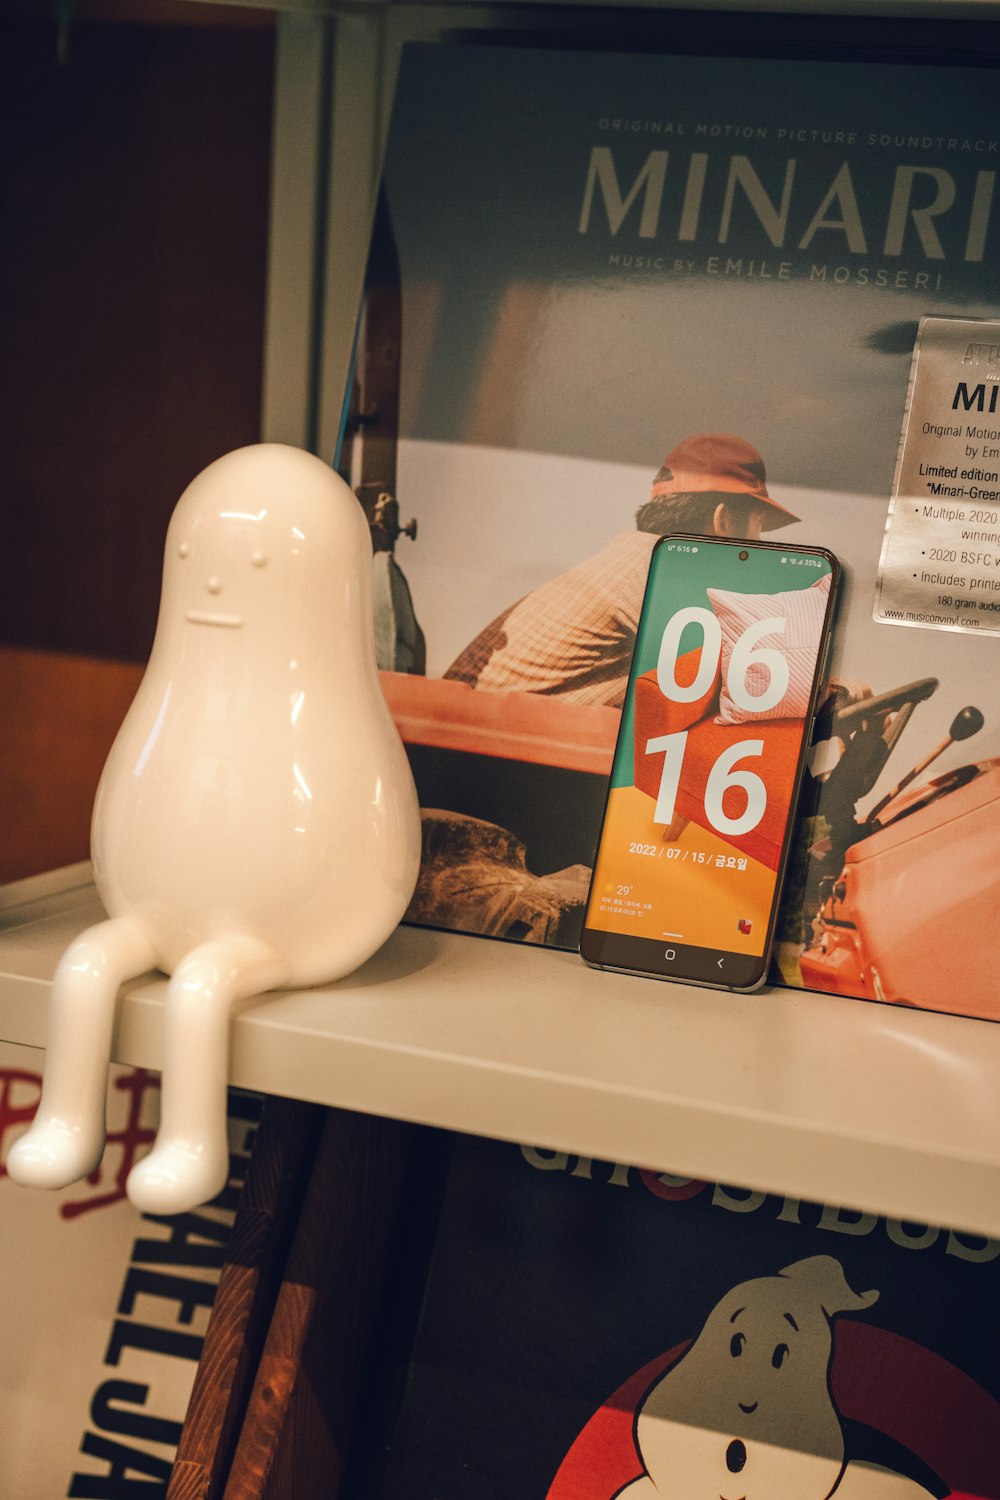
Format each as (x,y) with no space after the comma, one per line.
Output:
(66,1140)
(189,1163)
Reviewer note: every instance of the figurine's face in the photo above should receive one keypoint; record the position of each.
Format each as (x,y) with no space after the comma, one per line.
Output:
(278,545)
(222,559)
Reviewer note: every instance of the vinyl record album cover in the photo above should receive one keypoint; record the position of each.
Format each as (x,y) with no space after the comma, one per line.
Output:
(642,294)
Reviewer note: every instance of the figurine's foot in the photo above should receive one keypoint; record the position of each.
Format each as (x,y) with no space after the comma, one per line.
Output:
(173,1180)
(51,1155)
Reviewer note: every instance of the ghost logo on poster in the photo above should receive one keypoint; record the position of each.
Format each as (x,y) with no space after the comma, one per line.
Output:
(755,1407)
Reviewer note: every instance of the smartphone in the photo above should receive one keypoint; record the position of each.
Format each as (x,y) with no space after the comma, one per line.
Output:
(726,672)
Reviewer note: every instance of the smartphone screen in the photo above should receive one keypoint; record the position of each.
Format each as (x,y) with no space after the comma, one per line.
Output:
(710,753)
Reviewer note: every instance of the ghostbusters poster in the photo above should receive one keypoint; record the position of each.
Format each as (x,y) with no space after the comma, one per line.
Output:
(589,1331)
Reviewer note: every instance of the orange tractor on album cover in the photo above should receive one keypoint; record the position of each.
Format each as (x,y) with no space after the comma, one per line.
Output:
(893,898)
(901,897)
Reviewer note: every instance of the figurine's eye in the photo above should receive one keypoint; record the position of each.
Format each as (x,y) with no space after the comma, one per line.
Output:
(736,1344)
(259,559)
(184,550)
(779,1356)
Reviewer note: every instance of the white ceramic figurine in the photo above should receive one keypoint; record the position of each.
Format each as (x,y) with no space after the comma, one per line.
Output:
(256,825)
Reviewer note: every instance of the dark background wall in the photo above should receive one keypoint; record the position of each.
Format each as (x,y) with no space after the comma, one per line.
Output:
(134,180)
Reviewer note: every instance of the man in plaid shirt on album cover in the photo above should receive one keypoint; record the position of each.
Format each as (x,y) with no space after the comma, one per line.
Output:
(573,636)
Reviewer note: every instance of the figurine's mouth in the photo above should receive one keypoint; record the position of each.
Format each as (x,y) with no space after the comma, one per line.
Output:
(200,617)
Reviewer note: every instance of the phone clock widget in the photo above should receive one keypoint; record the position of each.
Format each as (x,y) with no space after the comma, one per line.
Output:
(709,758)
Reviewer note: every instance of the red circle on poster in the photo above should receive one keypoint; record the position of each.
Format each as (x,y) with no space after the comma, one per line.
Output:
(886,1381)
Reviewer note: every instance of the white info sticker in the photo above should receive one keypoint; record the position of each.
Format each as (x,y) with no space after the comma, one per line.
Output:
(940,565)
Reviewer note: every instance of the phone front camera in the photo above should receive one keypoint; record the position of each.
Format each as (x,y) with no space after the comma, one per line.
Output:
(744,556)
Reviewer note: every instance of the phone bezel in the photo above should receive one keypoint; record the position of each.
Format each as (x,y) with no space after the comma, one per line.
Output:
(624,945)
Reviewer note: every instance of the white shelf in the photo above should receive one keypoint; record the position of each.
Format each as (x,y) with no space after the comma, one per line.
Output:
(830,1100)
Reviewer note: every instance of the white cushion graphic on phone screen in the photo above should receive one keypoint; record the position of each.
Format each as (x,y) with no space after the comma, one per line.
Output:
(767,674)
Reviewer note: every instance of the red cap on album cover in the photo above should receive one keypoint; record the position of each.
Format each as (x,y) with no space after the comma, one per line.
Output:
(722,462)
